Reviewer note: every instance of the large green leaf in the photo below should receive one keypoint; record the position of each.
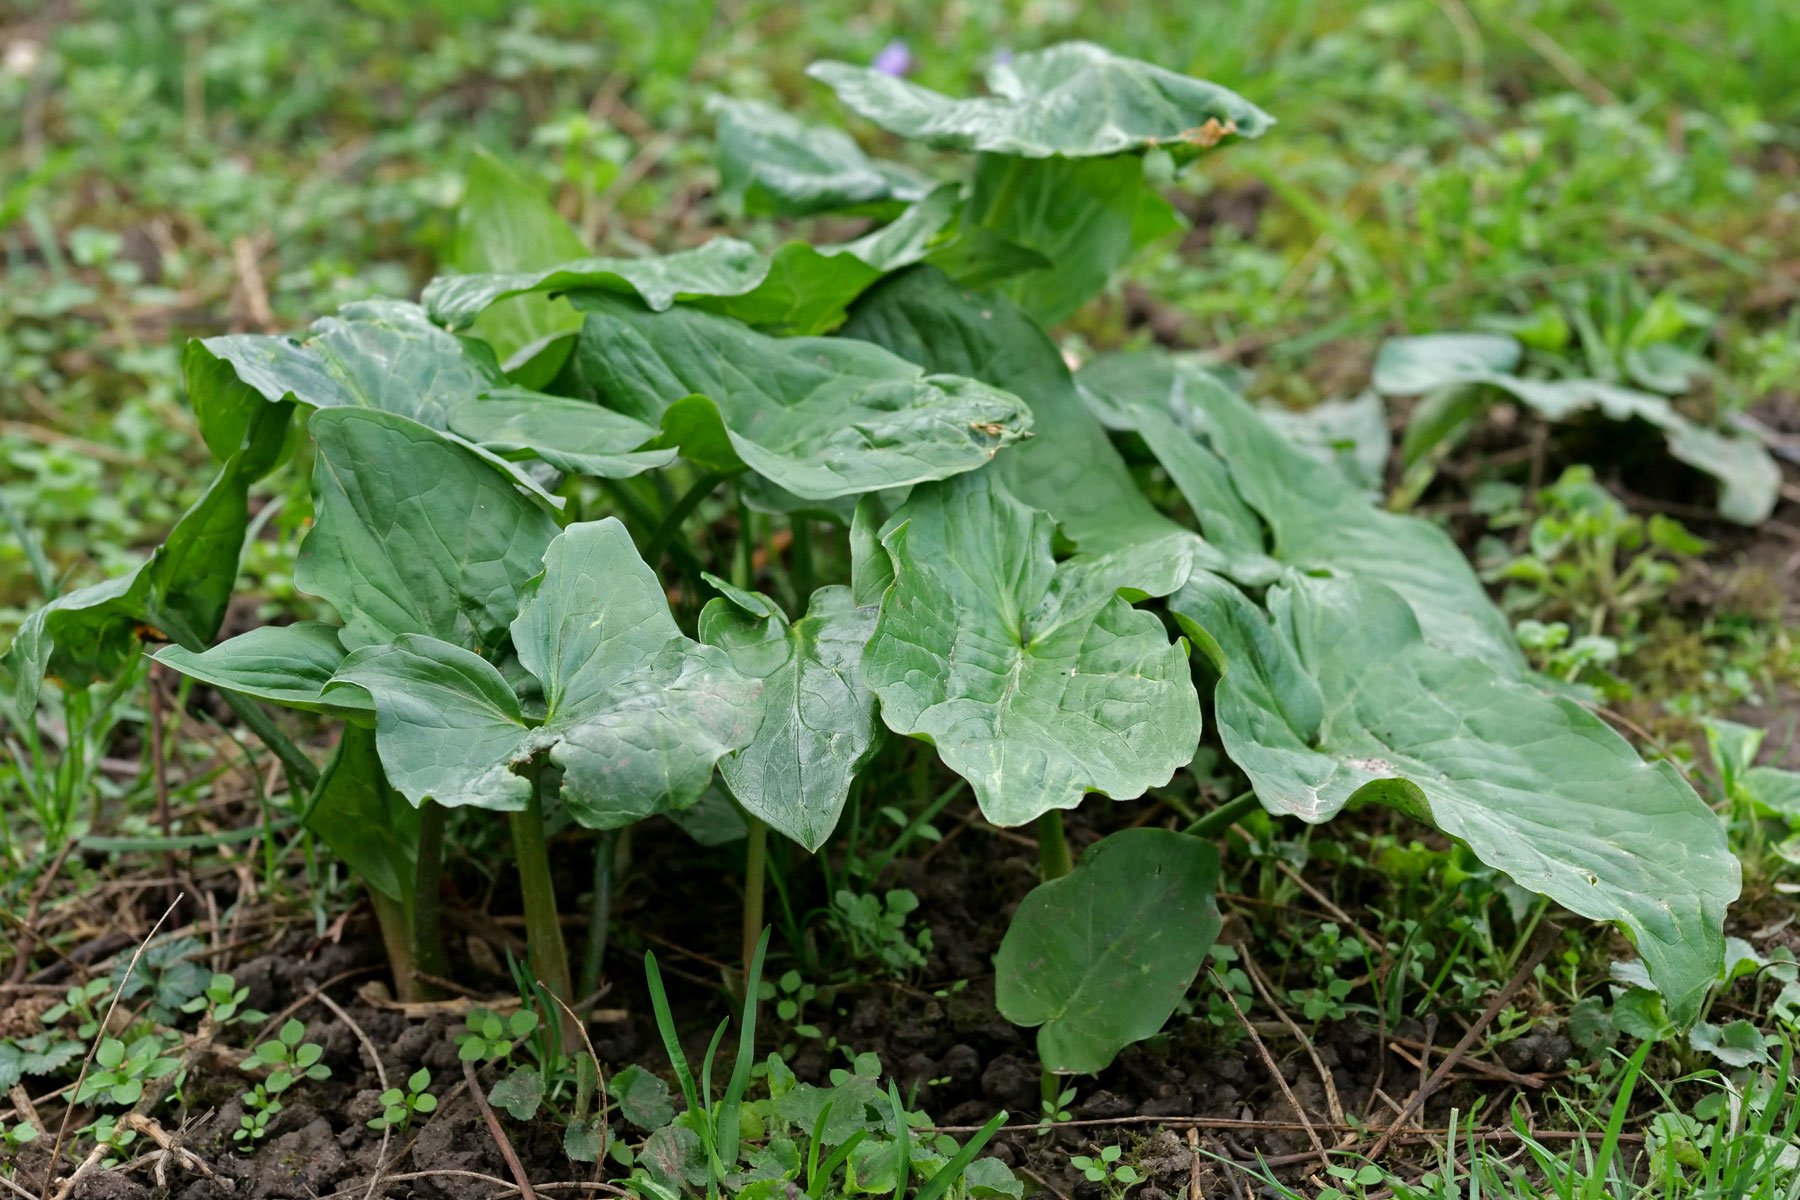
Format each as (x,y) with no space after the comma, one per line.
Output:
(379,354)
(1338,699)
(1317,521)
(1068,468)
(1412,366)
(362,820)
(1350,436)
(818,724)
(570,435)
(180,593)
(1132,392)
(1748,478)
(799,289)
(635,714)
(283,664)
(448,727)
(1098,959)
(504,223)
(1075,99)
(772,163)
(1085,216)
(807,287)
(417,532)
(721,267)
(1036,681)
(819,417)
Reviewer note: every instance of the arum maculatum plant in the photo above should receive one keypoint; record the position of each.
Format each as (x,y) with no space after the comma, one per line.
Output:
(504,484)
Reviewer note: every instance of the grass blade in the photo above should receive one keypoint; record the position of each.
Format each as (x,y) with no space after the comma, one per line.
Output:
(665,1025)
(938,1184)
(746,1055)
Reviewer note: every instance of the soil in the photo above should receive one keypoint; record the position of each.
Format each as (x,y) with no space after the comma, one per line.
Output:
(946,1046)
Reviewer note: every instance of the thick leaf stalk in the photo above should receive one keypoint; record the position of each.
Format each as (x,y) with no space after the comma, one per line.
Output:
(543,927)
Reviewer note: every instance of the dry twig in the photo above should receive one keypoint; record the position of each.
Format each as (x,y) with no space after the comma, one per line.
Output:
(1312,1134)
(493,1123)
(387,1130)
(1540,947)
(62,1130)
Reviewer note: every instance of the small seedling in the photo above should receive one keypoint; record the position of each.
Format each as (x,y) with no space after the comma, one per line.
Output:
(18,1135)
(491,1037)
(293,1059)
(1352,1181)
(106,1132)
(222,1002)
(1056,1110)
(290,1055)
(120,1071)
(399,1104)
(1105,1169)
(81,1002)
(260,1107)
(875,929)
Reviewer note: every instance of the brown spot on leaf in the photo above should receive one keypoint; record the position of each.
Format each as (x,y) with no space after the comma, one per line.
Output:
(1210,134)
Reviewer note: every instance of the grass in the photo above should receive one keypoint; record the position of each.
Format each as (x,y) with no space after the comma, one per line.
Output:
(1745,1152)
(1439,164)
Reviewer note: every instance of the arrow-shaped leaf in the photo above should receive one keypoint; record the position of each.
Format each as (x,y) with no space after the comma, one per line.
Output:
(1036,681)
(771,163)
(283,664)
(570,435)
(721,267)
(1074,99)
(818,724)
(416,532)
(1068,468)
(635,714)
(376,354)
(1316,520)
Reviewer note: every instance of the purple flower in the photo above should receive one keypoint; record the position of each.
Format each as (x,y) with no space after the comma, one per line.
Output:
(895,59)
(1003,57)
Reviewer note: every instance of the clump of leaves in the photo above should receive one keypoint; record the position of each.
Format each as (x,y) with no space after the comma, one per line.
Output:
(120,1071)
(1107,1169)
(40,1054)
(288,1058)
(1590,564)
(545,497)
(851,1136)
(874,929)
